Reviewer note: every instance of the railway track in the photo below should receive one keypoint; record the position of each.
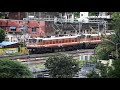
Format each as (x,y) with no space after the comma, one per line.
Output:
(40,59)
(47,54)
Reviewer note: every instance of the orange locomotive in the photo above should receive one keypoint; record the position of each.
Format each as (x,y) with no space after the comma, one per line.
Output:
(65,43)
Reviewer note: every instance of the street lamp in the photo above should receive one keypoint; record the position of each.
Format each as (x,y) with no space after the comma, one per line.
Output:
(116,44)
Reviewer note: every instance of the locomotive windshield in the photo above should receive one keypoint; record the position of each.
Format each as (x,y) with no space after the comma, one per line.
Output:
(32,40)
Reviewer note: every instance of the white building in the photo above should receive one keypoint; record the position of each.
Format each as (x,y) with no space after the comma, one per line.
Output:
(86,56)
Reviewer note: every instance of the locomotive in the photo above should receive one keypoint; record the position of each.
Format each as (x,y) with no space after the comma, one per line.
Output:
(64,43)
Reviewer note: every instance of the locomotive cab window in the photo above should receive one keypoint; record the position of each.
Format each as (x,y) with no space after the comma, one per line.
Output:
(40,40)
(82,36)
(88,36)
(34,40)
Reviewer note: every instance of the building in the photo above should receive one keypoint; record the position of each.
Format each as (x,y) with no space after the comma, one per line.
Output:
(17,15)
(20,30)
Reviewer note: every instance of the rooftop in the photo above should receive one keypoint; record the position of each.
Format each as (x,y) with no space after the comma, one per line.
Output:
(5,43)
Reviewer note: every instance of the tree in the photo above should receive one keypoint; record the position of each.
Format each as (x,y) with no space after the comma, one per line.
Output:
(13,69)
(93,74)
(114,71)
(77,14)
(62,66)
(102,70)
(2,35)
(106,48)
(93,13)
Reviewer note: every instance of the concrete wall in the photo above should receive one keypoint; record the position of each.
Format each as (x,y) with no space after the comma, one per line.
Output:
(8,50)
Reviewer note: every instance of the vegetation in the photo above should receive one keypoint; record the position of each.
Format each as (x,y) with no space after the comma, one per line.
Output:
(108,47)
(106,71)
(2,35)
(77,14)
(93,13)
(40,66)
(93,74)
(62,66)
(114,72)
(13,69)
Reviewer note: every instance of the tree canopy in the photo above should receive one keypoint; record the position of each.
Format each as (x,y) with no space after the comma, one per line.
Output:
(109,43)
(62,66)
(2,35)
(107,47)
(114,71)
(13,69)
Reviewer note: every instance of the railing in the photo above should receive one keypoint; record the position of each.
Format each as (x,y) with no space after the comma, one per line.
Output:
(60,20)
(45,19)
(107,17)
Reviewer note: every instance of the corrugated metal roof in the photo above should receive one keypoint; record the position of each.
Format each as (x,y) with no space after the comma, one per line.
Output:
(5,43)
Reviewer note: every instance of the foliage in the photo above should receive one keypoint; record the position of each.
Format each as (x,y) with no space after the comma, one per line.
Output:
(93,74)
(2,35)
(109,46)
(77,14)
(114,72)
(107,71)
(102,71)
(103,51)
(13,69)
(62,66)
(93,13)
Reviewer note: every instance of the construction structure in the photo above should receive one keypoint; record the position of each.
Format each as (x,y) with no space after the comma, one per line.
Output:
(67,23)
(43,24)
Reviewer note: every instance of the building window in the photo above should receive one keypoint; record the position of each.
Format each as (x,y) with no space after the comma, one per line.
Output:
(13,29)
(34,40)
(86,57)
(40,40)
(33,29)
(64,32)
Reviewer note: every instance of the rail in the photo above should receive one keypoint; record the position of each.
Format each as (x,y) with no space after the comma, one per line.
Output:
(45,55)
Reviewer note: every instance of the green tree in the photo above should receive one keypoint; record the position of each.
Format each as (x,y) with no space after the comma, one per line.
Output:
(107,47)
(114,71)
(62,66)
(93,74)
(13,69)
(2,35)
(77,14)
(103,71)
